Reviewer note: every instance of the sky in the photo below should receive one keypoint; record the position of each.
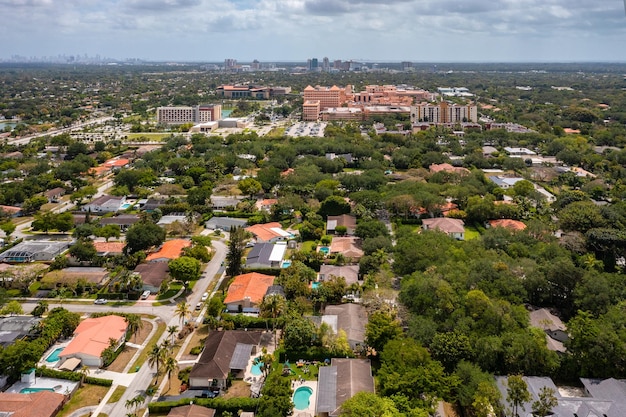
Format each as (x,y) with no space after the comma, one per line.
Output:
(294,30)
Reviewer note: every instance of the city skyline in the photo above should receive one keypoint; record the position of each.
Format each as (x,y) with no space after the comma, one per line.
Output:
(293,30)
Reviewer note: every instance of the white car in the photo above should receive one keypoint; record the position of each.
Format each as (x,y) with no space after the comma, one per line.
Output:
(204,296)
(100,301)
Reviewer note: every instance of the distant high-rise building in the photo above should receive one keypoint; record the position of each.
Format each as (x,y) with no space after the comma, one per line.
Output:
(230,63)
(444,113)
(256,65)
(407,66)
(313,64)
(325,64)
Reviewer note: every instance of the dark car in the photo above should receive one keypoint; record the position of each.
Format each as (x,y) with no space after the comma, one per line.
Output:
(208,394)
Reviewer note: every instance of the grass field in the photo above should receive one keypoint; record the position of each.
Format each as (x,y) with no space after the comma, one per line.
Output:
(152,137)
(85,396)
(471,233)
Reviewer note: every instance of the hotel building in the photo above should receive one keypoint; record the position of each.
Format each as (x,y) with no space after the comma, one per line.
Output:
(188,114)
(443,113)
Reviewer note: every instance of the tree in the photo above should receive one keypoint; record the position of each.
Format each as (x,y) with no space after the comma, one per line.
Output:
(381,327)
(40,309)
(272,307)
(298,334)
(249,186)
(11,308)
(199,252)
(371,229)
(84,373)
(185,269)
(33,204)
(236,246)
(334,206)
(142,236)
(108,231)
(546,402)
(134,324)
(171,331)
(170,366)
(134,404)
(182,311)
(83,250)
(516,392)
(156,357)
(8,228)
(368,404)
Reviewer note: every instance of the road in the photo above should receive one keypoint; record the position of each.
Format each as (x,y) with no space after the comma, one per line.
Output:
(165,313)
(26,139)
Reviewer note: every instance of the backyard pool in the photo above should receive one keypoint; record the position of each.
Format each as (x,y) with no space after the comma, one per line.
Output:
(325,250)
(126,205)
(315,285)
(54,356)
(301,398)
(286,264)
(32,390)
(256,368)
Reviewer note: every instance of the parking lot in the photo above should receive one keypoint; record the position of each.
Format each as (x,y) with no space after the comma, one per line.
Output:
(307,129)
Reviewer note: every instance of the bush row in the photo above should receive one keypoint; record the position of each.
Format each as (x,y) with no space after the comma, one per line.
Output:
(72,376)
(219,404)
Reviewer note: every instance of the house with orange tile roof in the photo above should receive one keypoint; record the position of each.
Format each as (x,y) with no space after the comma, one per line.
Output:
(507,223)
(39,404)
(265,204)
(348,246)
(171,249)
(92,337)
(246,292)
(109,248)
(269,232)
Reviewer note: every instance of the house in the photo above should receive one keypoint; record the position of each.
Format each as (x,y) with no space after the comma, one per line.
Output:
(14,328)
(191,410)
(105,204)
(452,227)
(349,272)
(71,275)
(171,249)
(34,250)
(123,221)
(150,204)
(434,168)
(352,319)
(508,224)
(225,223)
(269,232)
(339,382)
(40,404)
(265,204)
(116,163)
(172,218)
(345,220)
(11,211)
(556,332)
(266,255)
(55,194)
(109,248)
(225,352)
(245,294)
(152,275)
(347,246)
(223,203)
(519,152)
(92,337)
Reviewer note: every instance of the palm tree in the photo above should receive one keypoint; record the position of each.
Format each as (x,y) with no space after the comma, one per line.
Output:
(156,357)
(168,346)
(84,373)
(272,307)
(171,330)
(134,324)
(170,366)
(182,311)
(134,403)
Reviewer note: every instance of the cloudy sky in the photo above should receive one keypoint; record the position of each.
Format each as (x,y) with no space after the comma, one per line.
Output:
(293,30)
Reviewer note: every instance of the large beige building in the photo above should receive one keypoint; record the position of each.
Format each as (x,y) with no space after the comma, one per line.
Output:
(188,114)
(327,96)
(444,113)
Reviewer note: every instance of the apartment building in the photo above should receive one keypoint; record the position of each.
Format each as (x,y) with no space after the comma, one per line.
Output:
(327,96)
(187,114)
(444,112)
(250,91)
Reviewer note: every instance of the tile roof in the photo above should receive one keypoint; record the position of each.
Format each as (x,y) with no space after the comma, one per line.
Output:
(508,223)
(444,224)
(349,272)
(94,275)
(116,162)
(153,273)
(191,411)
(39,404)
(346,220)
(171,249)
(109,247)
(92,335)
(347,245)
(268,231)
(340,381)
(252,285)
(351,318)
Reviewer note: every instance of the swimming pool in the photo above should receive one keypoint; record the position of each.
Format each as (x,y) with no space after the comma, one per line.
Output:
(256,369)
(125,206)
(324,249)
(315,285)
(54,356)
(286,264)
(32,390)
(301,398)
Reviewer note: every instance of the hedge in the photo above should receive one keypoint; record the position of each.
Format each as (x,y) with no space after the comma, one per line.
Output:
(72,376)
(241,321)
(219,404)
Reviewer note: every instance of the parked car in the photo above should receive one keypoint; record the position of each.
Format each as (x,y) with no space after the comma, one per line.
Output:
(208,394)
(100,301)
(204,296)
(198,306)
(145,295)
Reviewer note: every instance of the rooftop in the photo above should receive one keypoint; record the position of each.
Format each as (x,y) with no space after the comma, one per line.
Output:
(171,249)
(251,286)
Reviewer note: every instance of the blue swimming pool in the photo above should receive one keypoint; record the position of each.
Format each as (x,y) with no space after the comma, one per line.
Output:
(286,264)
(324,249)
(54,356)
(32,390)
(256,369)
(301,398)
(125,206)
(315,285)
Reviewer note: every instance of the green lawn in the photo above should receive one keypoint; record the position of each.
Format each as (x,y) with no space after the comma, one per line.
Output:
(149,136)
(471,233)
(172,290)
(308,246)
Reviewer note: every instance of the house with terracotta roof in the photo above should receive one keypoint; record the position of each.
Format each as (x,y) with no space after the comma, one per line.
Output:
(452,227)
(265,204)
(36,404)
(346,220)
(92,337)
(225,352)
(348,246)
(269,232)
(246,292)
(171,249)
(12,211)
(109,248)
(508,224)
